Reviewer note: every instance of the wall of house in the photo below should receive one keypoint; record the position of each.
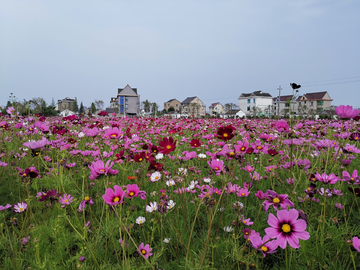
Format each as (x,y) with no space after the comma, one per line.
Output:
(175,104)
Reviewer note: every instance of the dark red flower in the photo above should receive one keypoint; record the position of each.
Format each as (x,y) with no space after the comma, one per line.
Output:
(272,152)
(139,157)
(103,113)
(195,143)
(225,133)
(155,166)
(167,145)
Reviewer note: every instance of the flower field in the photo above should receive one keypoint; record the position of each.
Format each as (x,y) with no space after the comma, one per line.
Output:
(144,193)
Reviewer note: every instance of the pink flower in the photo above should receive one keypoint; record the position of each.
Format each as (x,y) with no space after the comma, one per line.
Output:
(145,250)
(217,165)
(20,207)
(243,192)
(112,197)
(10,110)
(346,112)
(286,228)
(97,168)
(327,179)
(37,144)
(261,195)
(356,243)
(282,126)
(354,176)
(2,208)
(264,245)
(113,133)
(275,200)
(66,199)
(92,132)
(132,191)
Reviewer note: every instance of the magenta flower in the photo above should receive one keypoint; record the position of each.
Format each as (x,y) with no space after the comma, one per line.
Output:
(2,208)
(354,176)
(275,200)
(356,243)
(145,250)
(10,110)
(98,168)
(112,197)
(346,112)
(92,132)
(36,144)
(327,179)
(66,200)
(282,126)
(243,192)
(261,195)
(287,229)
(217,165)
(113,133)
(132,191)
(20,207)
(262,244)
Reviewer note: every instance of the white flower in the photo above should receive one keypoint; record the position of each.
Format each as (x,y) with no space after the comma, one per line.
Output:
(182,171)
(153,193)
(20,207)
(152,207)
(156,176)
(171,204)
(207,180)
(81,134)
(238,204)
(202,156)
(228,229)
(221,209)
(140,220)
(170,182)
(159,156)
(167,240)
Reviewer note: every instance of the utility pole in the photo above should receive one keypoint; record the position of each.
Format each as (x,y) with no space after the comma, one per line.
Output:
(279,99)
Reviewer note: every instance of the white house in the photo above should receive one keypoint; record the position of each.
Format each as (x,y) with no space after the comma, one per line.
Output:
(259,101)
(217,108)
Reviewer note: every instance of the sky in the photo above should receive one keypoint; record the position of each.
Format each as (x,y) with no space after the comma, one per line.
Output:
(214,50)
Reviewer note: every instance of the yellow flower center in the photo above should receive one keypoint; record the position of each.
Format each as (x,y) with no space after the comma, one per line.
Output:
(140,159)
(21,209)
(143,251)
(259,147)
(132,194)
(244,221)
(242,194)
(65,200)
(263,248)
(232,153)
(113,135)
(140,221)
(276,200)
(286,228)
(168,147)
(156,177)
(102,170)
(24,174)
(116,199)
(225,135)
(87,198)
(216,168)
(242,148)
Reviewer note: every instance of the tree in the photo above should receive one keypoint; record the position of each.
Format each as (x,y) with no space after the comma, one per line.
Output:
(75,106)
(154,108)
(227,107)
(99,104)
(81,110)
(233,106)
(171,109)
(147,106)
(93,108)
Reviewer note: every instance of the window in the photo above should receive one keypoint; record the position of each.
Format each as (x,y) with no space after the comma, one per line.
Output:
(177,105)
(254,100)
(304,102)
(299,103)
(287,104)
(320,102)
(248,108)
(311,103)
(320,109)
(249,101)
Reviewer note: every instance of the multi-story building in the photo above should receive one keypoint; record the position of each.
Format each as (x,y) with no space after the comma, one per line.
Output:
(256,102)
(172,103)
(193,106)
(281,106)
(317,101)
(128,101)
(216,108)
(65,104)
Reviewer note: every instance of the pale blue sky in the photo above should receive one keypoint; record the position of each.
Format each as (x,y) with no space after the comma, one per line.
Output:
(215,50)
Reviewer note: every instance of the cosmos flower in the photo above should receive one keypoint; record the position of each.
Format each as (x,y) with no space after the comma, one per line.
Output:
(2,208)
(287,228)
(145,250)
(20,207)
(356,243)
(346,112)
(140,220)
(263,245)
(66,199)
(156,176)
(98,168)
(36,144)
(152,207)
(113,197)
(225,133)
(167,145)
(276,200)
